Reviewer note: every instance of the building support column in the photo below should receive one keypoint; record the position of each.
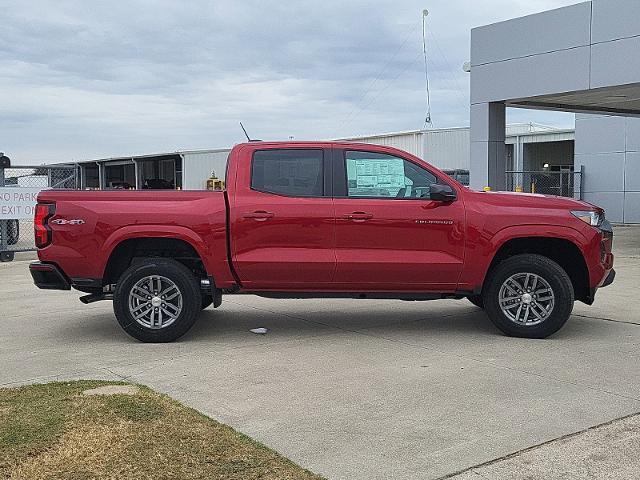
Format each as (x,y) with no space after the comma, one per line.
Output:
(137,174)
(488,151)
(518,163)
(101,176)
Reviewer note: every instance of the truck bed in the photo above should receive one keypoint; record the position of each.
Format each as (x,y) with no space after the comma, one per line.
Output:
(88,225)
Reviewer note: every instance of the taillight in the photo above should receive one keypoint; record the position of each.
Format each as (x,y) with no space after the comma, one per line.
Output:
(44,211)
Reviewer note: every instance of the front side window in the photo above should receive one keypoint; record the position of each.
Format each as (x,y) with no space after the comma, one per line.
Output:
(291,172)
(380,175)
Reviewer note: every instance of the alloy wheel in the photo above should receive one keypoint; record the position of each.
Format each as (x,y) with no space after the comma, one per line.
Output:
(155,302)
(526,299)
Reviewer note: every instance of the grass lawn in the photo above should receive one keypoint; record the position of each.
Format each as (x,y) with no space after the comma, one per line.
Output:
(54,431)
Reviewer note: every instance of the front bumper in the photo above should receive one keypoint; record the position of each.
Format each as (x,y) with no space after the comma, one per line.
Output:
(48,276)
(606,257)
(609,279)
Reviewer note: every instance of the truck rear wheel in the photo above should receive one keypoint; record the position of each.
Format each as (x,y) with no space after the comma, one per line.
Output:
(157,300)
(528,296)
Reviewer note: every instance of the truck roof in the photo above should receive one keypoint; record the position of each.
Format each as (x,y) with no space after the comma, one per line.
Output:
(315,143)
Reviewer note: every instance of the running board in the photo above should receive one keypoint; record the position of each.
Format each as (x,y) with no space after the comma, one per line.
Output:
(96,297)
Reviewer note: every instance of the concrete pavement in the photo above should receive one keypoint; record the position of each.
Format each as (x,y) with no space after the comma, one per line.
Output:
(358,389)
(606,451)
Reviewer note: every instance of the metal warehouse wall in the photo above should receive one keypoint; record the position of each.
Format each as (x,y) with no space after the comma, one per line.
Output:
(447,149)
(411,142)
(197,167)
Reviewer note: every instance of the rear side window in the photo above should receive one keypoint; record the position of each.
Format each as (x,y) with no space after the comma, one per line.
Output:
(291,172)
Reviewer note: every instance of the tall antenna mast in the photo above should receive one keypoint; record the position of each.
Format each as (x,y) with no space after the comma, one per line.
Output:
(427,119)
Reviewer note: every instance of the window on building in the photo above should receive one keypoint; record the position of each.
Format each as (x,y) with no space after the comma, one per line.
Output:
(160,173)
(291,172)
(120,175)
(385,176)
(91,176)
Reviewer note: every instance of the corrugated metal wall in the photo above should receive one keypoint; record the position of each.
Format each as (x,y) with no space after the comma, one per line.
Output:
(411,142)
(448,149)
(197,167)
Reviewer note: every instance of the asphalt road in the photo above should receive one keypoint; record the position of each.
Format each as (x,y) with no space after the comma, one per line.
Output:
(365,389)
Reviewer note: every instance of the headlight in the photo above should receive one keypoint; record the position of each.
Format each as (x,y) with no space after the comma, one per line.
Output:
(592,218)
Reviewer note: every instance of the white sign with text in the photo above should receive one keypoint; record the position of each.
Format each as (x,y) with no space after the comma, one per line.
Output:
(17,202)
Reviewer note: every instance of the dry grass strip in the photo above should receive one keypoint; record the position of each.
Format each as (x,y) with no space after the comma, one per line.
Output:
(52,431)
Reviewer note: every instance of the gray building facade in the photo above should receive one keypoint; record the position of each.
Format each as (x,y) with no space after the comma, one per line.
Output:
(583,58)
(609,149)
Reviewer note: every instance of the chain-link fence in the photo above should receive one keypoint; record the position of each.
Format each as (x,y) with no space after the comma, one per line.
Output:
(41,177)
(16,234)
(564,183)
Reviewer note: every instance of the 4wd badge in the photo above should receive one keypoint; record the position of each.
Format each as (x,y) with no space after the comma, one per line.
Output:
(63,221)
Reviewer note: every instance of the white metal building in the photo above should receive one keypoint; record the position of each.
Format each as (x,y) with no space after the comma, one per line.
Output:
(528,147)
(187,170)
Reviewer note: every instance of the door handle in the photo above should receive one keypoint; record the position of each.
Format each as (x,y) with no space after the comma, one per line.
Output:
(358,216)
(259,215)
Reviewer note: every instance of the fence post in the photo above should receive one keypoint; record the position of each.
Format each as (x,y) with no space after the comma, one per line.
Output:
(4,231)
(578,194)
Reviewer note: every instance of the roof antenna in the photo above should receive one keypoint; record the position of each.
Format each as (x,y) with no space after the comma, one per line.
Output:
(245,132)
(247,135)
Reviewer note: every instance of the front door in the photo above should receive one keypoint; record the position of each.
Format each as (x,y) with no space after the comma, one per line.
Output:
(389,234)
(282,219)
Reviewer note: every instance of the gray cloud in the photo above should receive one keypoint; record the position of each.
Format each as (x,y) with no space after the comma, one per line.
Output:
(89,79)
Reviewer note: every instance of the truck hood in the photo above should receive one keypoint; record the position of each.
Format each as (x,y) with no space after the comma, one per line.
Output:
(534,200)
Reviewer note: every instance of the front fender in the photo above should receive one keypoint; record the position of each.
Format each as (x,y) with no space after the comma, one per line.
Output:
(480,255)
(547,231)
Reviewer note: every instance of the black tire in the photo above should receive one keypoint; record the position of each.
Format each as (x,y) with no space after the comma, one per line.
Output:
(476,300)
(177,273)
(548,270)
(206,301)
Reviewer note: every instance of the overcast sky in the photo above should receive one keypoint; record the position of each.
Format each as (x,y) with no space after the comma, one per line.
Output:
(87,79)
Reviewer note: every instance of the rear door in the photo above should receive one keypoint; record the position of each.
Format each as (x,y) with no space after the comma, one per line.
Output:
(282,218)
(389,234)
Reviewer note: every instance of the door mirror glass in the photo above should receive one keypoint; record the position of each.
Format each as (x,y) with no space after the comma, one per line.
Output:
(442,193)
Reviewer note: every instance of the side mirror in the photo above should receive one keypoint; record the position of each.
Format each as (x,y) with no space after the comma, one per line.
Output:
(442,193)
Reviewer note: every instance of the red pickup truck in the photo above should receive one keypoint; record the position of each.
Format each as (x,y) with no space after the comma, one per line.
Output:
(323,219)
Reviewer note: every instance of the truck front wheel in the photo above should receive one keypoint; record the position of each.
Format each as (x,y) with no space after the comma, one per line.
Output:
(157,300)
(528,296)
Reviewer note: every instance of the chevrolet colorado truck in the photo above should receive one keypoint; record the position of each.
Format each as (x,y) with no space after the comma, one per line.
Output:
(323,219)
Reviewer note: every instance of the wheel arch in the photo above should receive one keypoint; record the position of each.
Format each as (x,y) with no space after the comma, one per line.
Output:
(565,251)
(126,244)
